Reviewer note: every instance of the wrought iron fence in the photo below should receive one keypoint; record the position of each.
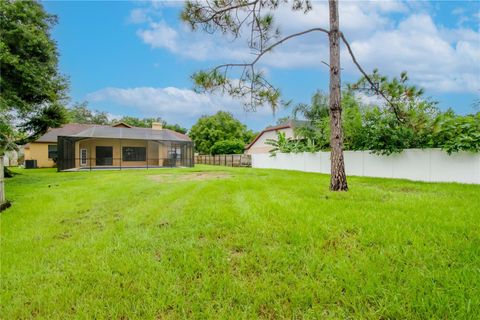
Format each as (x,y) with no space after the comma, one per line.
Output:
(110,163)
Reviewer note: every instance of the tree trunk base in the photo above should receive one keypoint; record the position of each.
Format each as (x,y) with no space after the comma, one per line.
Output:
(339,185)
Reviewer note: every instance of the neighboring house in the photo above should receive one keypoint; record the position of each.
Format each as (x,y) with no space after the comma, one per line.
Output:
(258,145)
(76,147)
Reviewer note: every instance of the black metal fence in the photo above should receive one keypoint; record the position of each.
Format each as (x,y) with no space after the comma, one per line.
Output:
(229,160)
(108,163)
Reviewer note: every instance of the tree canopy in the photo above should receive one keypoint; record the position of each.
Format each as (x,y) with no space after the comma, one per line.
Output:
(80,113)
(417,122)
(228,147)
(147,123)
(32,89)
(219,127)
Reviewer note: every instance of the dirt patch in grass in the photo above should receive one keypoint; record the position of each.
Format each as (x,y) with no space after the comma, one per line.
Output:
(194,176)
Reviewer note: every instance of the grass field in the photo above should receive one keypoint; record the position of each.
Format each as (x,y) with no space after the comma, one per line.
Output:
(213,242)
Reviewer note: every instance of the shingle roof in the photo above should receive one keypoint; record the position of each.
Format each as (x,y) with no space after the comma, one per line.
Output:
(103,131)
(65,130)
(130,133)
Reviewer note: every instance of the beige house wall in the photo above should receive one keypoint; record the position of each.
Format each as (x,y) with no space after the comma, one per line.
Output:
(157,152)
(39,151)
(260,145)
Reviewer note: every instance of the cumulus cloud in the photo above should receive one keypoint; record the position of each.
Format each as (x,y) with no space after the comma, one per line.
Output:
(139,15)
(160,35)
(418,46)
(437,58)
(170,103)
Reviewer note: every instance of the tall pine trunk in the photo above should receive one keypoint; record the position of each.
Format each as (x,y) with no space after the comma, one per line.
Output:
(338,179)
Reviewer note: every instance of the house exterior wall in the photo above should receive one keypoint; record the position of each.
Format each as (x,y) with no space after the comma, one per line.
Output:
(260,145)
(39,151)
(156,152)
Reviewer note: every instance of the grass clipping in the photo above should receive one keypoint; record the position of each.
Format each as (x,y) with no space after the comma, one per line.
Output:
(194,176)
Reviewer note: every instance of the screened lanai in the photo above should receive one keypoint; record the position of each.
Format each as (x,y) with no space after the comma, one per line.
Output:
(102,147)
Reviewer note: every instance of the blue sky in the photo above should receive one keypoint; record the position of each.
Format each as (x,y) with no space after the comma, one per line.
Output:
(136,58)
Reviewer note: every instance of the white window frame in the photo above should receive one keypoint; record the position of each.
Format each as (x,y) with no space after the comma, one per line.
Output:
(83,160)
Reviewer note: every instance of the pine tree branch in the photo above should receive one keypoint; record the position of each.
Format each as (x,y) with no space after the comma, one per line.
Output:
(374,86)
(270,48)
(226,9)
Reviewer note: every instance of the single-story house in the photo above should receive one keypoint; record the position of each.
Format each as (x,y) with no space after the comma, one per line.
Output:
(82,146)
(258,145)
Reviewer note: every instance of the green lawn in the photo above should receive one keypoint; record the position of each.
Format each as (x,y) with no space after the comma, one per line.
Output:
(237,244)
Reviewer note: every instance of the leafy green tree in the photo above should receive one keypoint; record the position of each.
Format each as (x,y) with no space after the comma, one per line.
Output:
(228,147)
(52,116)
(283,120)
(219,127)
(31,88)
(455,133)
(139,122)
(29,58)
(417,123)
(147,123)
(316,129)
(404,121)
(175,127)
(288,145)
(80,113)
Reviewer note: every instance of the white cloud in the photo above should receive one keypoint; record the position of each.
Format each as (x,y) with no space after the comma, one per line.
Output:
(438,58)
(420,48)
(139,15)
(160,35)
(171,103)
(458,11)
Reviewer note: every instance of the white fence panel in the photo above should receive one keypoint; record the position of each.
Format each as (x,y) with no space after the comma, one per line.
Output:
(353,163)
(312,162)
(261,161)
(414,164)
(457,167)
(324,162)
(377,166)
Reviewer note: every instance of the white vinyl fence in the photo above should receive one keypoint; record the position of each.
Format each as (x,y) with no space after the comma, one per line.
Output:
(433,165)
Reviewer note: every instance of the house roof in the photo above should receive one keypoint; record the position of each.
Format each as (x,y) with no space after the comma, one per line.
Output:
(289,124)
(122,124)
(66,130)
(104,131)
(131,133)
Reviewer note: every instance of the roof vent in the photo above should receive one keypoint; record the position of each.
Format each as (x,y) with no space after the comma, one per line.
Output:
(157,126)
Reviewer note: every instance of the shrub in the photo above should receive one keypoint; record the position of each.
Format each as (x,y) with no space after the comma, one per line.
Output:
(228,147)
